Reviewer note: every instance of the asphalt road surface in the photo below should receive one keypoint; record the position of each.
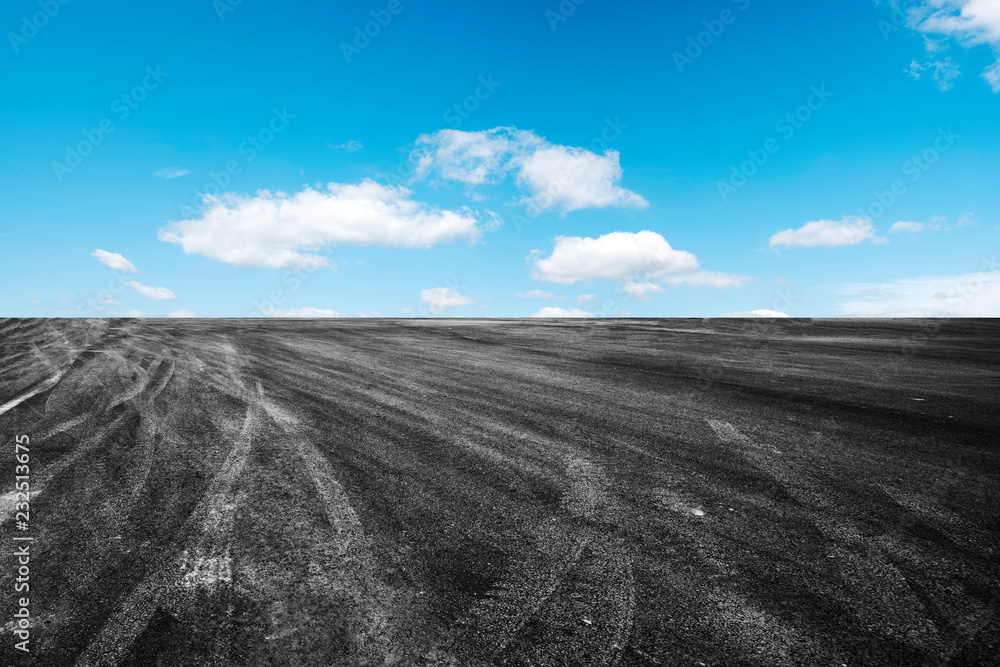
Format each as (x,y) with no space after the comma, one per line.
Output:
(471,493)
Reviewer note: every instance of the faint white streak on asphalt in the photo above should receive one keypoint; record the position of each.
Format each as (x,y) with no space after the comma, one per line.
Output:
(38,389)
(728,434)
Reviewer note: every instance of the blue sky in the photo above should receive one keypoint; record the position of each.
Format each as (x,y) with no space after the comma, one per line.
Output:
(500,158)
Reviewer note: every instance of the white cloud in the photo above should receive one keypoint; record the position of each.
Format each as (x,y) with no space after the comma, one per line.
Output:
(172,172)
(494,223)
(636,258)
(614,256)
(107,300)
(350,147)
(34,302)
(182,313)
(158,293)
(410,311)
(641,291)
(575,178)
(586,298)
(771,314)
(552,311)
(944,71)
(439,299)
(304,312)
(992,76)
(935,224)
(473,158)
(970,295)
(553,176)
(969,22)
(539,294)
(115,261)
(280,230)
(913,227)
(851,230)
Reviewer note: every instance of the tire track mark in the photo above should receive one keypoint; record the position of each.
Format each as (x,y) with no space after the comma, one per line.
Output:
(41,387)
(593,579)
(213,517)
(54,470)
(508,603)
(210,560)
(615,651)
(374,606)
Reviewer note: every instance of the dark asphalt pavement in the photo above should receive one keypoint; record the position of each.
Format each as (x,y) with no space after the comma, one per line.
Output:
(503,492)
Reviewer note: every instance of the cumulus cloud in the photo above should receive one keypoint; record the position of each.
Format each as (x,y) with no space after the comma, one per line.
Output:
(586,298)
(638,259)
(970,295)
(182,314)
(575,178)
(770,314)
(969,22)
(473,158)
(158,293)
(553,311)
(539,294)
(439,299)
(553,176)
(115,261)
(851,230)
(280,230)
(172,172)
(614,256)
